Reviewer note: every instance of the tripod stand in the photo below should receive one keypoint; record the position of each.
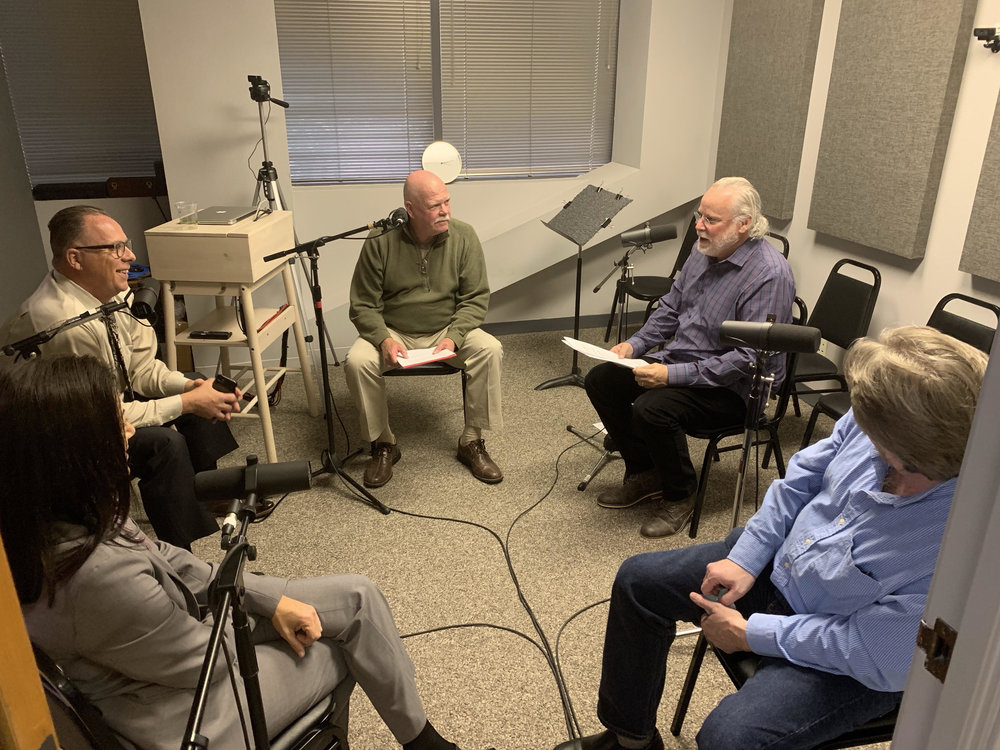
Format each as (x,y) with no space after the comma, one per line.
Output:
(226,595)
(329,459)
(267,175)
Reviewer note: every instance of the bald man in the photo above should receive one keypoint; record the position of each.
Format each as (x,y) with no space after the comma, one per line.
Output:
(423,285)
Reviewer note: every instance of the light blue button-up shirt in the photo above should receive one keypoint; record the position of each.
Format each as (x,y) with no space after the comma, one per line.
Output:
(853,562)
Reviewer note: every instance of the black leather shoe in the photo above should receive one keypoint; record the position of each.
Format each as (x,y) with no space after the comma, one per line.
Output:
(636,488)
(483,468)
(669,517)
(379,468)
(606,740)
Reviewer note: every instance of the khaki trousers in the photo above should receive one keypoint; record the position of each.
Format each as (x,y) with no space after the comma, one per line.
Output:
(480,355)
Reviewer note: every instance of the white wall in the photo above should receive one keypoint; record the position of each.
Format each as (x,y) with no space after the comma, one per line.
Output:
(666,121)
(910,288)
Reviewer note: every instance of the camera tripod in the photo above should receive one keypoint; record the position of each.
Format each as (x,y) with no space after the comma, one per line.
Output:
(267,175)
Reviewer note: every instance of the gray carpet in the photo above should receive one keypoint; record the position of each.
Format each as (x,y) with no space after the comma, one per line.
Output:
(485,686)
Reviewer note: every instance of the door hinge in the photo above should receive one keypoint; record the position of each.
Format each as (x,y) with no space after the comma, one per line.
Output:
(938,643)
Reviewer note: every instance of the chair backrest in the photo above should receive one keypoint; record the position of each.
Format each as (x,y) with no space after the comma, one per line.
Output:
(687,243)
(962,328)
(844,309)
(79,725)
(782,240)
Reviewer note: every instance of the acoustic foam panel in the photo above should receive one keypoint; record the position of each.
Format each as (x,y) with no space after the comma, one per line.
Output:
(981,255)
(897,67)
(772,54)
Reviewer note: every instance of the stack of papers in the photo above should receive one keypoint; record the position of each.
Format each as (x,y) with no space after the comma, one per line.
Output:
(596,352)
(416,357)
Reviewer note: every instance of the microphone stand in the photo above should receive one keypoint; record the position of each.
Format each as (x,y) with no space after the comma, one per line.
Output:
(29,347)
(329,461)
(226,595)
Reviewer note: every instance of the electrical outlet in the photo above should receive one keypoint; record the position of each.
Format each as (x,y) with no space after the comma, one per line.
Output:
(822,348)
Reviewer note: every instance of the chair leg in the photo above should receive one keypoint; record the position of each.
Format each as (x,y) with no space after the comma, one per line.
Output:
(699,501)
(688,688)
(810,426)
(795,404)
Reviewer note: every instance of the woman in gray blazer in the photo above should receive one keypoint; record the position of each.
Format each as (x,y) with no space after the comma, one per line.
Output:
(125,616)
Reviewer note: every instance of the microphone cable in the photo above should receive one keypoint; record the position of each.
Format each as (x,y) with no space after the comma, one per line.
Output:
(549,653)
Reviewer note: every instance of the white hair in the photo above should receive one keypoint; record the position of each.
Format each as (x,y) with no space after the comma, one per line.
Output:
(746,204)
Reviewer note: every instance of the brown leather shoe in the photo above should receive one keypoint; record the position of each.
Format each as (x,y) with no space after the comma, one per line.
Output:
(483,468)
(379,468)
(669,517)
(635,489)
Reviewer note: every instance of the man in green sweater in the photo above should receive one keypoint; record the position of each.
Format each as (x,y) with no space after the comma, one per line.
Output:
(424,286)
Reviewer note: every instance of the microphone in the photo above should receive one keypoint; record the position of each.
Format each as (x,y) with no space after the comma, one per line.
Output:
(647,235)
(396,219)
(772,337)
(226,484)
(144,299)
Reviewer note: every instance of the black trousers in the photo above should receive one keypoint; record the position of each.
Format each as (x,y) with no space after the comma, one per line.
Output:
(649,426)
(165,461)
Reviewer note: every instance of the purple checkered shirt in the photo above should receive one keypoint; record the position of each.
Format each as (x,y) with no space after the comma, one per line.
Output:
(752,283)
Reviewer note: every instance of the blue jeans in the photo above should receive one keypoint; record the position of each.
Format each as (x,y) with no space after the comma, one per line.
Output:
(782,706)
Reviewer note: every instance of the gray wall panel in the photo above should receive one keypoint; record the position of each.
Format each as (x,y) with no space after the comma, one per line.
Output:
(897,68)
(981,255)
(772,53)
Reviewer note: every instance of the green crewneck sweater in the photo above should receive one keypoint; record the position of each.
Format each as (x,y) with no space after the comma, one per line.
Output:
(394,287)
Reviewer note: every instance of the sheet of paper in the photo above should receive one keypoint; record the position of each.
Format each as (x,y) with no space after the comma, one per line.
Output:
(596,352)
(423,356)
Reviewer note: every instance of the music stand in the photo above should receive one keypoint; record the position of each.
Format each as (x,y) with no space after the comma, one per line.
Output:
(580,219)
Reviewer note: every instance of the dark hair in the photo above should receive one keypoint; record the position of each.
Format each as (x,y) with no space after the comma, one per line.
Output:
(62,459)
(66,226)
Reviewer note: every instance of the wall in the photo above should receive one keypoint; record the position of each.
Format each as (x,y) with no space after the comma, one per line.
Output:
(21,237)
(910,288)
(208,126)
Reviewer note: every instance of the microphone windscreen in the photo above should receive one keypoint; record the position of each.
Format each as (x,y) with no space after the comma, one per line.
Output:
(647,235)
(144,299)
(226,484)
(398,217)
(772,337)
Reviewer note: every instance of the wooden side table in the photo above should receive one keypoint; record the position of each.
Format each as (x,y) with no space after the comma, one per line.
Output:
(224,262)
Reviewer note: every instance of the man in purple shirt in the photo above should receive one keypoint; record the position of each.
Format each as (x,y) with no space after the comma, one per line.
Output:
(828,581)
(693,382)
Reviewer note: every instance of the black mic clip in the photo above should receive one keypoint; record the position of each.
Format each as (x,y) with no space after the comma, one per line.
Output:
(397,218)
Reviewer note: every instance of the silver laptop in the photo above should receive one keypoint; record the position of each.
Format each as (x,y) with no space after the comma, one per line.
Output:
(224,214)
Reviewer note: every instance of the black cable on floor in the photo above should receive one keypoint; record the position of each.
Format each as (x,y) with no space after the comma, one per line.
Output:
(572,726)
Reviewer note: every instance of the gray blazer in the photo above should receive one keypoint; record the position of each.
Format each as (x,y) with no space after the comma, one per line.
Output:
(130,631)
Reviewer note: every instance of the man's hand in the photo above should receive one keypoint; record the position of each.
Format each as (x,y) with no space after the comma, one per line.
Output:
(623,350)
(391,349)
(726,574)
(297,623)
(724,627)
(446,343)
(202,399)
(651,375)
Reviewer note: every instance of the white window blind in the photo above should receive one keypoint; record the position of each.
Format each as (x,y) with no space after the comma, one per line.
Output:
(82,101)
(528,87)
(521,87)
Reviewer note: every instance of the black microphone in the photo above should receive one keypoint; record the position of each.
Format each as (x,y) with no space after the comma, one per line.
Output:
(396,219)
(772,337)
(647,235)
(226,484)
(144,298)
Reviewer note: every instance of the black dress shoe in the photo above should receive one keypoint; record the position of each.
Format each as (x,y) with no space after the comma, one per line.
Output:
(606,740)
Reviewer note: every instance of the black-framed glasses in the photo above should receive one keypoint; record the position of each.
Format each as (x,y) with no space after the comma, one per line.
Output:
(117,249)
